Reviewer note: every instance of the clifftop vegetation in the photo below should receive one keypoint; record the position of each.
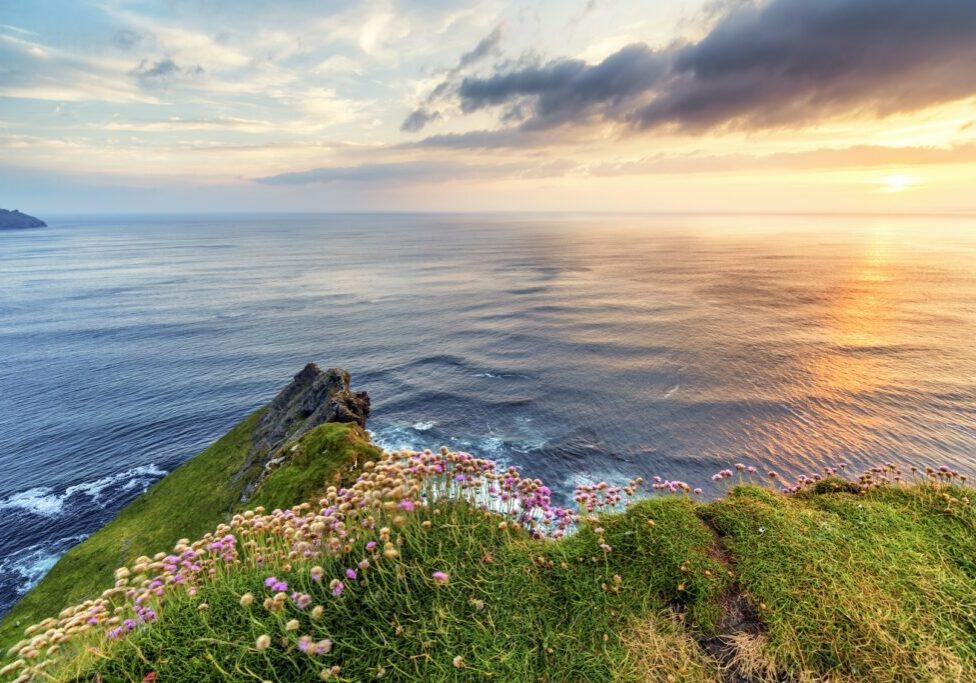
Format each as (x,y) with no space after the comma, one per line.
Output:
(358,565)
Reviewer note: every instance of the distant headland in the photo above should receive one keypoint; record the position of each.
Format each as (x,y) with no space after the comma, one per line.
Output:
(16,219)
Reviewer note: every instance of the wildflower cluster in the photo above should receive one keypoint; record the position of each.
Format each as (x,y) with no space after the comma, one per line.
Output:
(356,529)
(345,522)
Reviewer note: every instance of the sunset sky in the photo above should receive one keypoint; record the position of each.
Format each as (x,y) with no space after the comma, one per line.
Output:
(306,105)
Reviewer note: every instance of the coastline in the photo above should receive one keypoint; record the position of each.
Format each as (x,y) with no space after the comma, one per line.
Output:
(821,581)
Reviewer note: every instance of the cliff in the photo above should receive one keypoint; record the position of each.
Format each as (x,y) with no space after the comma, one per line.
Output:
(315,424)
(16,219)
(355,565)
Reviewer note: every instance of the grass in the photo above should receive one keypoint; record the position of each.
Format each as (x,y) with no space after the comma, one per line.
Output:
(331,453)
(839,583)
(187,503)
(515,609)
(878,586)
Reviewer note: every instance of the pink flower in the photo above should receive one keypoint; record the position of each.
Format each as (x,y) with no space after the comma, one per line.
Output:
(440,577)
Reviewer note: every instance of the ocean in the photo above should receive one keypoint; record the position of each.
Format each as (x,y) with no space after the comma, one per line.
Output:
(578,347)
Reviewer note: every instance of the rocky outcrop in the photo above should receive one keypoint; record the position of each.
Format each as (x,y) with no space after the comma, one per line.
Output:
(313,397)
(16,219)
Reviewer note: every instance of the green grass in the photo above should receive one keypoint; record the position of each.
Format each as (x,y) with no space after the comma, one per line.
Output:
(515,609)
(187,503)
(847,587)
(330,454)
(872,587)
(838,584)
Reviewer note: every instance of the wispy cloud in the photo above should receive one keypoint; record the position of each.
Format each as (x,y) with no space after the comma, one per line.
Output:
(426,113)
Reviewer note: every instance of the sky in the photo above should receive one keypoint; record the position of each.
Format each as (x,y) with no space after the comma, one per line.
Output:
(122,106)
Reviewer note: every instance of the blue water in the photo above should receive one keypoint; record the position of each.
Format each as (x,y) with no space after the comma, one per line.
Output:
(580,348)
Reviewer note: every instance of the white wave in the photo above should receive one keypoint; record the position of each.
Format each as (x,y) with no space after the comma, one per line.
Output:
(672,392)
(41,500)
(136,477)
(423,426)
(29,565)
(44,501)
(486,374)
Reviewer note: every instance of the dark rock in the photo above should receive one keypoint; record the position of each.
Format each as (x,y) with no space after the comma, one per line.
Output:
(313,397)
(16,219)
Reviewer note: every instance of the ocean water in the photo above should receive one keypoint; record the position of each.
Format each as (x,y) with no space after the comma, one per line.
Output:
(577,347)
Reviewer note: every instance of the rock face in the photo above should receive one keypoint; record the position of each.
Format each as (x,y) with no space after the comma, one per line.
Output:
(16,219)
(313,397)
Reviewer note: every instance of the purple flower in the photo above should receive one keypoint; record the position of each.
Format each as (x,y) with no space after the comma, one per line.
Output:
(351,574)
(337,588)
(407,504)
(440,577)
(370,545)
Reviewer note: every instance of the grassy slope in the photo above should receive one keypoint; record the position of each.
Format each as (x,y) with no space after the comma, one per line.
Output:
(877,586)
(329,454)
(872,587)
(545,614)
(190,501)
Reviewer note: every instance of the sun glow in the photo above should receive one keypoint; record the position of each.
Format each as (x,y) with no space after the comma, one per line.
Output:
(898,183)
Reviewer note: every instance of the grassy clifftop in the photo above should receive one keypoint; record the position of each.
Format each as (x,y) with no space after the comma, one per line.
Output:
(439,567)
(187,503)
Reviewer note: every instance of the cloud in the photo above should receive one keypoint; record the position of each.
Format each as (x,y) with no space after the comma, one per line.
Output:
(486,46)
(421,170)
(780,63)
(858,156)
(423,115)
(418,119)
(485,139)
(162,73)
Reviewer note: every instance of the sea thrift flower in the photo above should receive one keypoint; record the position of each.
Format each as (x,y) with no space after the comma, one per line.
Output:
(275,584)
(263,642)
(458,662)
(301,600)
(351,574)
(337,587)
(440,577)
(292,625)
(246,600)
(316,573)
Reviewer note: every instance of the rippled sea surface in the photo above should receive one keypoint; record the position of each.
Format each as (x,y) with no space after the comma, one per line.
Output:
(578,347)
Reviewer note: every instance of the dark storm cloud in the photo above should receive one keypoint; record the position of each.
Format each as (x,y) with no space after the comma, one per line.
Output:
(784,62)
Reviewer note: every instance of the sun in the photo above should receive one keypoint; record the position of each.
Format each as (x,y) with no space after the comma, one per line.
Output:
(898,182)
